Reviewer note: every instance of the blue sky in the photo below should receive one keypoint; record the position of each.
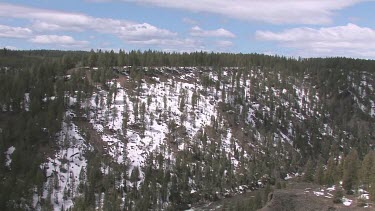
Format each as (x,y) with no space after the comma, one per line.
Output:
(307,28)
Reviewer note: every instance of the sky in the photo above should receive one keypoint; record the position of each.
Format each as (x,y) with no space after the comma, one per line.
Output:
(296,28)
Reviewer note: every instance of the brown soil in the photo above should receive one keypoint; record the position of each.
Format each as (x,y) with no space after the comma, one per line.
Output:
(93,137)
(300,197)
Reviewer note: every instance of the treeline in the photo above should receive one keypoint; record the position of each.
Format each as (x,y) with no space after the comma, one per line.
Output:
(159,58)
(26,59)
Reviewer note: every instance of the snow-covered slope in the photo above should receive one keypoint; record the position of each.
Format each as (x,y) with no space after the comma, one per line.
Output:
(235,114)
(66,169)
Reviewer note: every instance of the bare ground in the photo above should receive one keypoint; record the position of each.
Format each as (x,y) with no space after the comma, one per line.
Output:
(303,197)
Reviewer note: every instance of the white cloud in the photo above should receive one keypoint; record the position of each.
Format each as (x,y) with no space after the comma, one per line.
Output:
(176,44)
(14,32)
(349,40)
(65,41)
(271,11)
(46,16)
(42,26)
(224,43)
(51,20)
(142,32)
(196,31)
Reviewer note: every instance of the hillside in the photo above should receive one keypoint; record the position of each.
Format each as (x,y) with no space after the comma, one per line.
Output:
(112,135)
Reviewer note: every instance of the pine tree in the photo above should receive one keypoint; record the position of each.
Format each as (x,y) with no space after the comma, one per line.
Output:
(165,103)
(134,177)
(309,172)
(121,58)
(367,166)
(319,173)
(372,182)
(93,59)
(350,176)
(329,176)
(337,198)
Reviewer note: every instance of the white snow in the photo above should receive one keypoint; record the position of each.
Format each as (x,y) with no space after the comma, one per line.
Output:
(26,101)
(8,155)
(66,169)
(140,145)
(346,202)
(289,176)
(318,193)
(331,188)
(364,196)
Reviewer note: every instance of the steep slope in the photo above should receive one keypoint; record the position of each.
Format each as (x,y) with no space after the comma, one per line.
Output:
(165,137)
(245,125)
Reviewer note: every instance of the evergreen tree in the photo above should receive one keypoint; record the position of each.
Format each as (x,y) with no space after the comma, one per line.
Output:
(329,176)
(319,173)
(309,171)
(350,170)
(367,167)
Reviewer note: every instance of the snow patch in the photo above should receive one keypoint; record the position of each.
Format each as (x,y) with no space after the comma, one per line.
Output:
(8,155)
(347,202)
(66,169)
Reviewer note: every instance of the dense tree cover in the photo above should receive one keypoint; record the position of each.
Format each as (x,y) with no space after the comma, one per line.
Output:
(350,172)
(32,102)
(157,58)
(35,91)
(201,164)
(30,117)
(17,58)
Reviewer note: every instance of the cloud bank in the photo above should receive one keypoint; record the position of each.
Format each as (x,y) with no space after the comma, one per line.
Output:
(59,40)
(270,11)
(349,40)
(14,32)
(45,21)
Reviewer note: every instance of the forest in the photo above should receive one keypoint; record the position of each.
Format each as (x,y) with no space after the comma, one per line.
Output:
(151,130)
